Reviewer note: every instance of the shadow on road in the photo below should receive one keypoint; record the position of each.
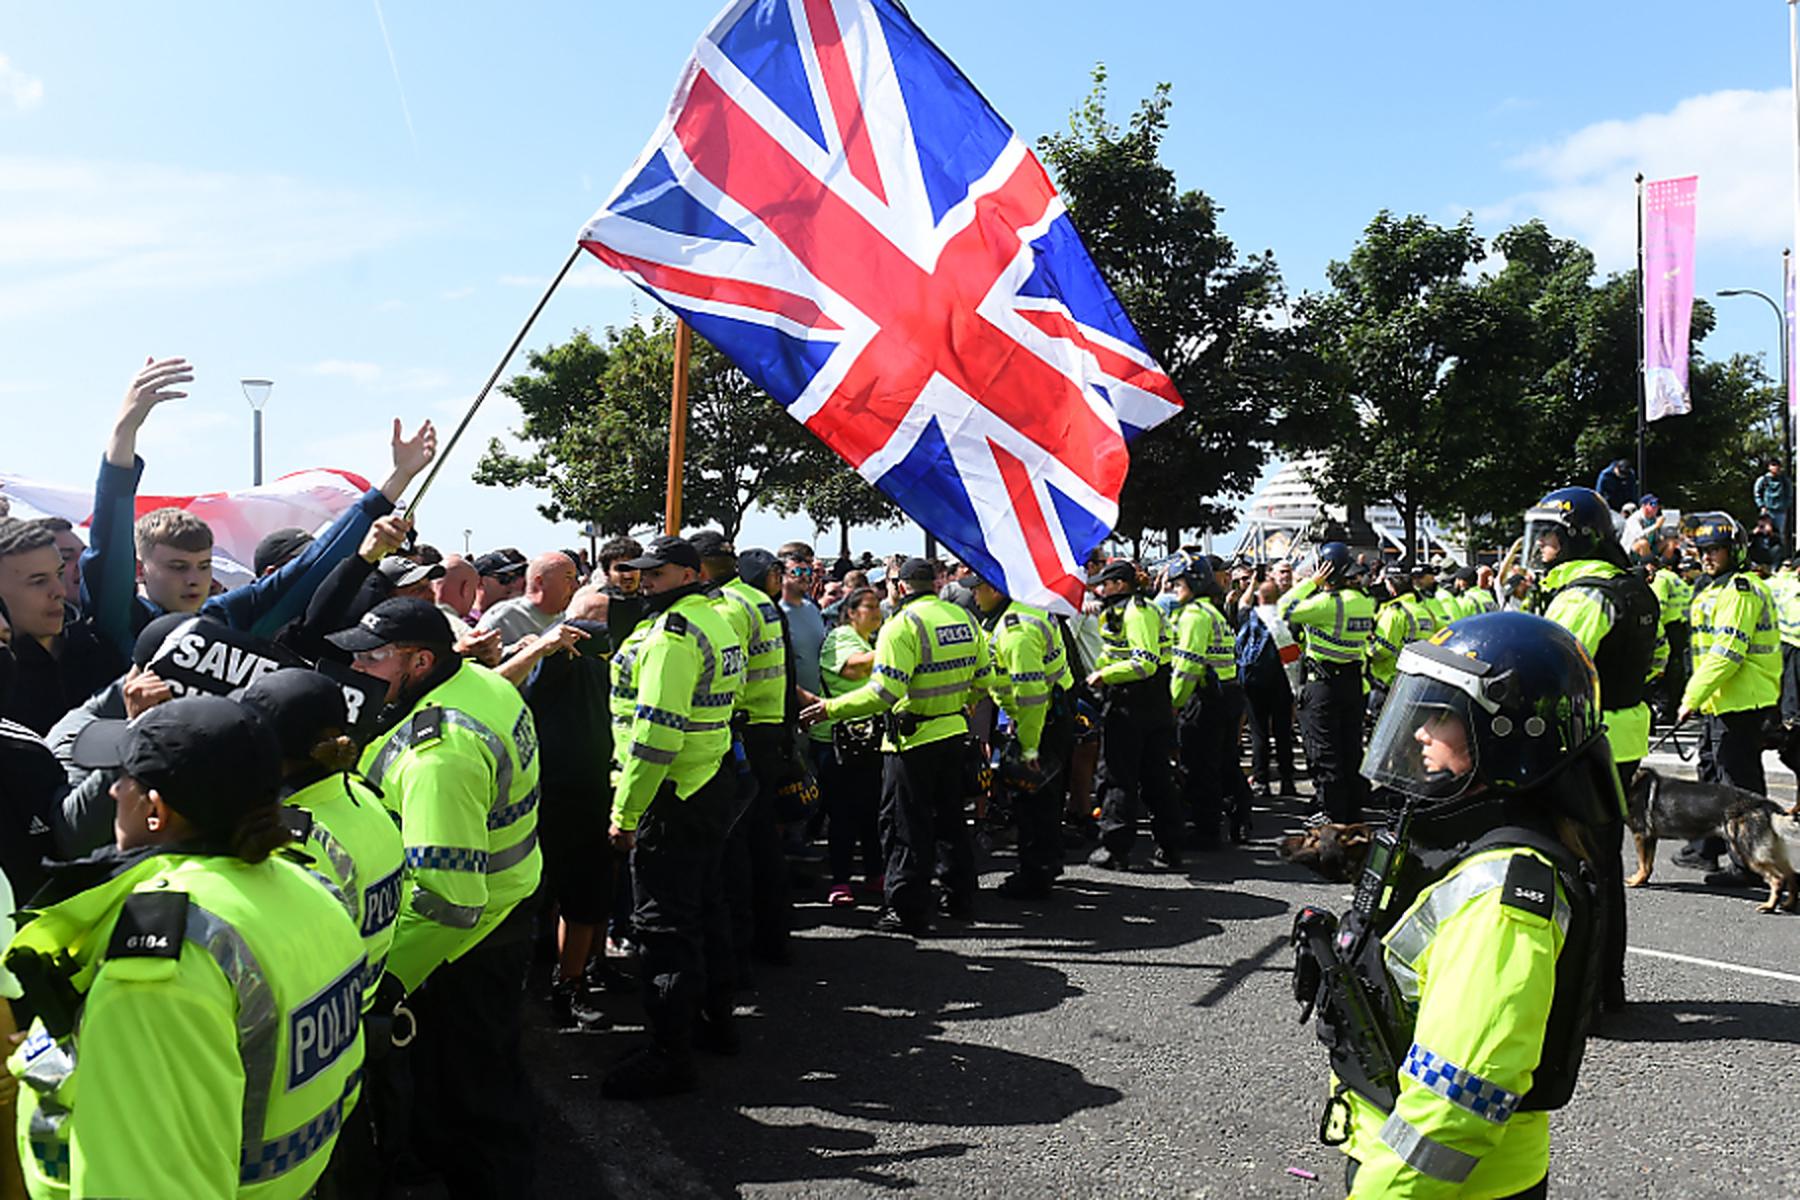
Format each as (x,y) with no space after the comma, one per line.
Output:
(1702,1021)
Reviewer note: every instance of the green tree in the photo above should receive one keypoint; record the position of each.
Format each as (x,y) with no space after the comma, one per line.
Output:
(1410,382)
(1209,318)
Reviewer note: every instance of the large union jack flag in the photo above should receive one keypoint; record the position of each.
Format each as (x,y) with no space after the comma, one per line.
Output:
(836,208)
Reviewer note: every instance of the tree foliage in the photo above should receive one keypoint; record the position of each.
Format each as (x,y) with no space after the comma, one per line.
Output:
(1207,316)
(597,427)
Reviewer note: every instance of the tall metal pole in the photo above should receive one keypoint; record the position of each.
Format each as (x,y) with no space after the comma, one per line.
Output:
(1781,326)
(1643,473)
(256,452)
(678,411)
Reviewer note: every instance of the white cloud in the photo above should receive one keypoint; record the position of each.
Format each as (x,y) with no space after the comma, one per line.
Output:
(1740,144)
(378,378)
(77,234)
(588,272)
(25,92)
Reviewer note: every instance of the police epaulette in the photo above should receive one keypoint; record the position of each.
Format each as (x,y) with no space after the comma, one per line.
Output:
(1010,620)
(298,821)
(427,725)
(151,925)
(1530,885)
(676,623)
(1742,583)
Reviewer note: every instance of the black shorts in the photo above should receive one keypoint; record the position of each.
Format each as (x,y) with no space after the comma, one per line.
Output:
(578,860)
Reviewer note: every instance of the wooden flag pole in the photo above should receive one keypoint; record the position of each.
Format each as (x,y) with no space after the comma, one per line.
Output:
(678,412)
(487,387)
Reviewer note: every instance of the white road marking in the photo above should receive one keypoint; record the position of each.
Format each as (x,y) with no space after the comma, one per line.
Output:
(1708,962)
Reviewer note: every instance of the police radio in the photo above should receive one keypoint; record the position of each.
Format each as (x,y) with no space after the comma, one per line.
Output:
(1381,871)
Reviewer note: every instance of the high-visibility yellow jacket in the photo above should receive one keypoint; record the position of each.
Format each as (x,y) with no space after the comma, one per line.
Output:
(1029,665)
(1203,651)
(1736,647)
(930,659)
(1337,624)
(357,849)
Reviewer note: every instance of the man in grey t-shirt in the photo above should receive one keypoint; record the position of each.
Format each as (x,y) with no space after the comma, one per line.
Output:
(550,583)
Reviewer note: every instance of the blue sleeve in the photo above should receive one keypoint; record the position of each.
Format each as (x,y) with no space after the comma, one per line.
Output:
(109,564)
(264,605)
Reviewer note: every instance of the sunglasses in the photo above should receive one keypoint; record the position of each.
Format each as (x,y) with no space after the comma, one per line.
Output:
(801,572)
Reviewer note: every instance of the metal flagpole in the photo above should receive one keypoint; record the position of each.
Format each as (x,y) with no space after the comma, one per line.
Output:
(1643,474)
(678,409)
(487,387)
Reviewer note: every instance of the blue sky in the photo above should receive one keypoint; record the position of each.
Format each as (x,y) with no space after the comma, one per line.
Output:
(267,191)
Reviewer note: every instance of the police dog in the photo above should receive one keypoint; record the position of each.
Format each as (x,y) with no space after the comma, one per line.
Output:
(1759,832)
(1334,852)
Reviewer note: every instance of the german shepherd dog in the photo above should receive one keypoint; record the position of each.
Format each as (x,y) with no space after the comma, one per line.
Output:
(1763,836)
(1334,852)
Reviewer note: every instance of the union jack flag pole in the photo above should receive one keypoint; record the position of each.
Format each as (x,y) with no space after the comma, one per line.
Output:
(678,412)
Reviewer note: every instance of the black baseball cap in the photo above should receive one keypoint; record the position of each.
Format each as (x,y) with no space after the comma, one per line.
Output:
(408,620)
(400,571)
(667,550)
(754,566)
(210,758)
(297,705)
(150,640)
(500,564)
(710,543)
(915,570)
(1118,568)
(276,548)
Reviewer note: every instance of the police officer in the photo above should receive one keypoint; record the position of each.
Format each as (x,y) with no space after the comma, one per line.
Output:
(1033,684)
(199,993)
(1476,959)
(1137,722)
(1425,587)
(1674,594)
(757,872)
(1208,700)
(930,660)
(1337,622)
(1588,590)
(1399,621)
(673,799)
(1736,675)
(456,760)
(1469,597)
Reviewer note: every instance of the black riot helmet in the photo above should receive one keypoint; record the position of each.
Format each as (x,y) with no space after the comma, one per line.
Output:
(1497,704)
(1718,529)
(1201,573)
(1335,558)
(1581,524)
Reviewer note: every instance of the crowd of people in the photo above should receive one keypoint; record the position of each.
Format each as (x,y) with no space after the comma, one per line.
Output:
(283,853)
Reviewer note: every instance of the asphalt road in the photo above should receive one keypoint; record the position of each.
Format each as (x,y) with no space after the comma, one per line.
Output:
(1136,1036)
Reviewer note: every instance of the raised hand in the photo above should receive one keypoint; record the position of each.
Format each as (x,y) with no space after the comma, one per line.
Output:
(156,382)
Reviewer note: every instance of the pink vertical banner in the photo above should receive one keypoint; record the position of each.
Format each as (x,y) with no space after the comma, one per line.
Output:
(1668,294)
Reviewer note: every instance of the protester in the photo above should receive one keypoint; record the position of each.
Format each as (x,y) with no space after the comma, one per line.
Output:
(56,663)
(550,582)
(1774,494)
(1617,484)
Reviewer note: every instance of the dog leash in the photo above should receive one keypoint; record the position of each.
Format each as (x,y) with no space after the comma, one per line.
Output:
(1673,730)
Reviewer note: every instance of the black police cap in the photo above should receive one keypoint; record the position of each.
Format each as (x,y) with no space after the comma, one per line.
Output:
(297,705)
(407,620)
(710,543)
(209,758)
(1118,568)
(917,570)
(665,551)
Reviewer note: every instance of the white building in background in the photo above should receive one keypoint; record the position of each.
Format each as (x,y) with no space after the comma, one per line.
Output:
(1279,517)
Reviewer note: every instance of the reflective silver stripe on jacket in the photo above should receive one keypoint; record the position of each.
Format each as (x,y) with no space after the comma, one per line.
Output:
(512,856)
(1425,1155)
(1415,931)
(403,738)
(258,1027)
(344,865)
(433,907)
(46,1070)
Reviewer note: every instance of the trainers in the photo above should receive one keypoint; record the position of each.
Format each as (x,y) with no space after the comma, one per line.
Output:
(1106,860)
(648,1074)
(1315,819)
(889,921)
(572,1012)
(1168,860)
(842,896)
(1685,857)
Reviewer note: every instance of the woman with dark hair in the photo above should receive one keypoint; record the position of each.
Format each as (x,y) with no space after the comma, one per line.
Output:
(205,989)
(847,754)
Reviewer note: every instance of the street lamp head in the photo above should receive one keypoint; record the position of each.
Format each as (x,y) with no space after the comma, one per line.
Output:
(1734,291)
(256,391)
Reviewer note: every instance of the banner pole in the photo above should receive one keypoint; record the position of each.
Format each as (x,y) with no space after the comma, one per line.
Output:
(1643,474)
(678,413)
(444,454)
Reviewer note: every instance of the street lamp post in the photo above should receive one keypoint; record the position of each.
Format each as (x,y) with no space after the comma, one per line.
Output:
(1787,425)
(256,391)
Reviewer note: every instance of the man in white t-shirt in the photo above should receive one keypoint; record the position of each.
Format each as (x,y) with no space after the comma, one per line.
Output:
(550,583)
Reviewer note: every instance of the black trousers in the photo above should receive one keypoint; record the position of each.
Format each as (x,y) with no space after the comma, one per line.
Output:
(756,872)
(1331,718)
(1731,752)
(1271,711)
(1675,675)
(1039,813)
(1137,746)
(1213,784)
(678,886)
(852,806)
(1609,841)
(472,1111)
(924,829)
